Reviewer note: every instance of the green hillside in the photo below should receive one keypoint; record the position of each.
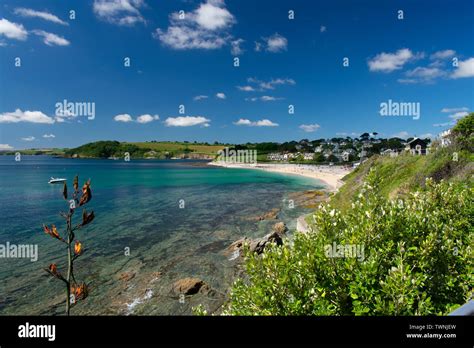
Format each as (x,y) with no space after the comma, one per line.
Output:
(405,173)
(158,150)
(180,147)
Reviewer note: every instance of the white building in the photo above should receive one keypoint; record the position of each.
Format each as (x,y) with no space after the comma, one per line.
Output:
(445,138)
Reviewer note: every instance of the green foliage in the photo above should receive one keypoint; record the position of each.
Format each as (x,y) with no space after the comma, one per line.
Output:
(464,132)
(105,149)
(416,260)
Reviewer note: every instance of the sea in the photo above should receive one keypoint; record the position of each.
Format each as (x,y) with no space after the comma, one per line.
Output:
(156,222)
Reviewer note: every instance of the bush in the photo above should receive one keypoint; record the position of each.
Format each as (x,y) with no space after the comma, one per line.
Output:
(416,259)
(463,132)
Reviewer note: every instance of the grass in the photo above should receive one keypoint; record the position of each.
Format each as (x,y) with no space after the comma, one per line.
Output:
(406,172)
(180,147)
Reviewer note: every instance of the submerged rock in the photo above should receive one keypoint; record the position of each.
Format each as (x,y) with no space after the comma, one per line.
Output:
(126,276)
(308,199)
(270,215)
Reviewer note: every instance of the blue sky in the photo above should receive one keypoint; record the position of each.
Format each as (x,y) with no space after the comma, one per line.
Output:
(283,62)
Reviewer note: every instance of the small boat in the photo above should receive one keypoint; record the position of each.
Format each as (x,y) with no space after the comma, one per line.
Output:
(56,180)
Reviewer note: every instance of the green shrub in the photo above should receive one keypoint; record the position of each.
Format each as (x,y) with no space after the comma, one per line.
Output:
(416,260)
(463,132)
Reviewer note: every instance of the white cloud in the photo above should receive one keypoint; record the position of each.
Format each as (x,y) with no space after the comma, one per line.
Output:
(422,75)
(309,128)
(402,134)
(464,69)
(26,116)
(123,118)
(264,98)
(220,95)
(425,72)
(200,97)
(260,123)
(12,30)
(427,135)
(276,43)
(258,46)
(119,12)
(51,39)
(5,147)
(407,81)
(271,84)
(147,118)
(212,15)
(322,29)
(186,121)
(204,28)
(246,88)
(26,12)
(182,38)
(442,54)
(243,122)
(449,110)
(388,62)
(266,123)
(445,124)
(458,115)
(30,138)
(48,136)
(236,50)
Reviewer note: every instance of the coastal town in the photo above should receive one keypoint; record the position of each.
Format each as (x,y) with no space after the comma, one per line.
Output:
(351,150)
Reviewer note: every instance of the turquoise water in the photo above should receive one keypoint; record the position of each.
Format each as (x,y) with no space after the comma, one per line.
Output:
(137,207)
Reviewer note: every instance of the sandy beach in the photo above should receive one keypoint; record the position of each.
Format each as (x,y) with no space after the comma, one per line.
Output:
(330,175)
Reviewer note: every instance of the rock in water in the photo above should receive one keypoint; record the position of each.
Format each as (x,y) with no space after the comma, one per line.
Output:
(258,245)
(188,286)
(280,228)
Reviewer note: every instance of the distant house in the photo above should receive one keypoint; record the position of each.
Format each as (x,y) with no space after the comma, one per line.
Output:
(445,138)
(417,146)
(307,156)
(345,155)
(389,152)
